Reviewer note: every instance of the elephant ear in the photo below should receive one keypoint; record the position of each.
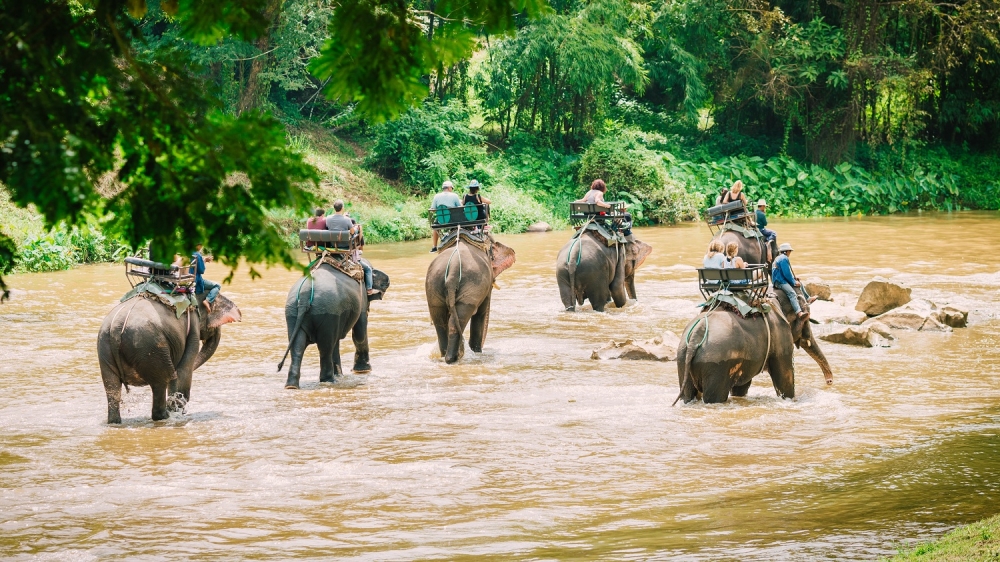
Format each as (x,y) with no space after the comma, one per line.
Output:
(503,257)
(636,254)
(380,282)
(224,311)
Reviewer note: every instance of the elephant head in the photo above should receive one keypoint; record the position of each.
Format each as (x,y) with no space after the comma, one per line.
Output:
(380,282)
(503,258)
(636,253)
(224,311)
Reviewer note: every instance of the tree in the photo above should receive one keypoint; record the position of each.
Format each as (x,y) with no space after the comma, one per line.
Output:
(83,97)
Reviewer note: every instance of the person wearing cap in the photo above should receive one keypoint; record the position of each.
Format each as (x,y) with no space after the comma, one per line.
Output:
(782,278)
(447,198)
(769,235)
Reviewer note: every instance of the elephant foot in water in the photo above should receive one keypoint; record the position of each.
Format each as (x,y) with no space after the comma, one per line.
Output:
(361,364)
(292,383)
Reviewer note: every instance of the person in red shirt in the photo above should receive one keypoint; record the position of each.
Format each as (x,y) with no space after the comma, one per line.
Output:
(317,222)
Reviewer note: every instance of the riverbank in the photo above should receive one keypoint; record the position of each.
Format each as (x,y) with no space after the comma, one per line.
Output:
(978,541)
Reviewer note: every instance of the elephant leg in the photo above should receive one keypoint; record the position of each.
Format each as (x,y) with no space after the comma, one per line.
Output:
(298,349)
(716,387)
(160,411)
(329,353)
(630,287)
(742,389)
(782,370)
(360,337)
(686,382)
(113,390)
(456,327)
(440,316)
(599,298)
(186,366)
(479,324)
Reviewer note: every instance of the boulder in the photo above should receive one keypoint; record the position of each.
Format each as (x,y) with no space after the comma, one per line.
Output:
(540,227)
(951,315)
(920,314)
(881,295)
(828,313)
(854,335)
(660,348)
(879,328)
(819,289)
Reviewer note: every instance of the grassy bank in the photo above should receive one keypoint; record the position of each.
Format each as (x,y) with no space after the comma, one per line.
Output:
(978,541)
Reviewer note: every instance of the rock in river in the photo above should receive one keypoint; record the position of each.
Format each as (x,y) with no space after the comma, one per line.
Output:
(539,227)
(863,336)
(819,289)
(920,314)
(881,295)
(660,348)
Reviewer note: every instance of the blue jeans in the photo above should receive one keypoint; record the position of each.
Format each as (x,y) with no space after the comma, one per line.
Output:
(368,274)
(792,296)
(769,234)
(213,289)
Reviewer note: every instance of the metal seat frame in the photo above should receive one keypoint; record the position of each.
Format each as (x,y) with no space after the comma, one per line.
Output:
(750,283)
(453,217)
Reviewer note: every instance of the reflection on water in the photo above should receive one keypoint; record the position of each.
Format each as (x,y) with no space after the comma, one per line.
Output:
(529,449)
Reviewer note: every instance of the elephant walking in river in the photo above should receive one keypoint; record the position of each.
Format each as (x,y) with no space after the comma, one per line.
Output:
(143,342)
(588,269)
(459,285)
(721,352)
(322,309)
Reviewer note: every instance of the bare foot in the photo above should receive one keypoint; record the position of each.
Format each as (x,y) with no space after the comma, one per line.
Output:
(801,314)
(812,299)
(207,305)
(373,291)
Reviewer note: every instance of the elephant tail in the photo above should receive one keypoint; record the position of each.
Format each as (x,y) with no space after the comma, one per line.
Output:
(299,317)
(689,352)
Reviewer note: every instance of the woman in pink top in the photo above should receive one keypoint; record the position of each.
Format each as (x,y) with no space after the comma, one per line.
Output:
(317,222)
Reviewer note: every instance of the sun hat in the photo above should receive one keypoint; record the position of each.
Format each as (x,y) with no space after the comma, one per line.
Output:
(762,203)
(473,183)
(447,185)
(786,247)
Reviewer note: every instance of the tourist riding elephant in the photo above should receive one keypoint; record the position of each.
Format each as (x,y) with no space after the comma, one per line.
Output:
(720,352)
(143,342)
(588,269)
(459,286)
(322,308)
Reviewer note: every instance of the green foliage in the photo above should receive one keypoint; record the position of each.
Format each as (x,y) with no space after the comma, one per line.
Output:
(78,102)
(402,222)
(425,144)
(558,75)
(385,76)
(636,174)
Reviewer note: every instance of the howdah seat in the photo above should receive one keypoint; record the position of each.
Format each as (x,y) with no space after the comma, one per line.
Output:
(468,216)
(580,213)
(140,270)
(750,283)
(330,241)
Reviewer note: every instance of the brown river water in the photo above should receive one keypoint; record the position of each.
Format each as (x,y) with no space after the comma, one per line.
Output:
(528,450)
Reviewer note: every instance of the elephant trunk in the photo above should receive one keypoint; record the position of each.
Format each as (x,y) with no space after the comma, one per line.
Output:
(817,354)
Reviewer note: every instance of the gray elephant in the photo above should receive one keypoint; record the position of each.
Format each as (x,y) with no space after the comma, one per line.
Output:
(752,250)
(588,269)
(322,309)
(143,342)
(721,352)
(459,285)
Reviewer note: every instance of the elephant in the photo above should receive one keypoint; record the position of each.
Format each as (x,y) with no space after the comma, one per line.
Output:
(752,250)
(322,308)
(721,352)
(587,268)
(459,285)
(142,342)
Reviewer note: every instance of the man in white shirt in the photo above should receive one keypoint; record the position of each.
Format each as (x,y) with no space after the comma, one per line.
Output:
(447,198)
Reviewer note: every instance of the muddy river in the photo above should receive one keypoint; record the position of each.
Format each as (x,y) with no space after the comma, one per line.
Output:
(528,450)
